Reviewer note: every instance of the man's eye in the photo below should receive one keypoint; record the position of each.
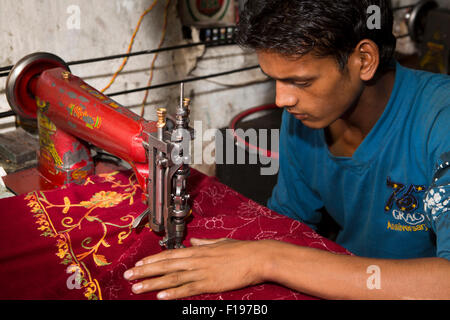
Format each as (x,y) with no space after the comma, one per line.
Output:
(301,84)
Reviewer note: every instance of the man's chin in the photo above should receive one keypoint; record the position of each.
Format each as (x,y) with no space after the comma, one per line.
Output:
(317,125)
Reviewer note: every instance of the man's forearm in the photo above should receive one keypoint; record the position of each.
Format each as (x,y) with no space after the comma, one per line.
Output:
(332,276)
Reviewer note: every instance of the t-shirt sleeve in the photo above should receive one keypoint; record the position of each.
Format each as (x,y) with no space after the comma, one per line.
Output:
(291,196)
(437,198)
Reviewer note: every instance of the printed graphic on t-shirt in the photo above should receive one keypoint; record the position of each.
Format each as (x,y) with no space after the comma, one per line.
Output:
(437,201)
(405,206)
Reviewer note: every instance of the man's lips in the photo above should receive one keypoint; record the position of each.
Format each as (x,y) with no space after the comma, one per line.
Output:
(299,116)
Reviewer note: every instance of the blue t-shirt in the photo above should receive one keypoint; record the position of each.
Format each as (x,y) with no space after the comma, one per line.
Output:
(391,198)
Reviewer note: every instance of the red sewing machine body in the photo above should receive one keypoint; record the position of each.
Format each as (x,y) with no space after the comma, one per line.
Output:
(69,113)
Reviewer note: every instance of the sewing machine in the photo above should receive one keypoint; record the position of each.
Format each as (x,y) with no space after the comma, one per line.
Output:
(72,115)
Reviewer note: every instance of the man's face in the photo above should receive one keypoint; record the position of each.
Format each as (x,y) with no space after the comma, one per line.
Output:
(313,89)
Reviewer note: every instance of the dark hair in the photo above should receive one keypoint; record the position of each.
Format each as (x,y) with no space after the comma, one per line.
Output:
(322,27)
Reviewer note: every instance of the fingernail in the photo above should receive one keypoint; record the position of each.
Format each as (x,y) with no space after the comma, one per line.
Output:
(137,287)
(128,274)
(139,263)
(162,295)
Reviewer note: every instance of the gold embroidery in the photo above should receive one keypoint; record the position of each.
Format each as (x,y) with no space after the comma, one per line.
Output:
(39,205)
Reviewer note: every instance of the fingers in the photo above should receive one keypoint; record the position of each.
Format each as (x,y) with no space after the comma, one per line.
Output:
(160,268)
(187,290)
(172,280)
(181,272)
(168,254)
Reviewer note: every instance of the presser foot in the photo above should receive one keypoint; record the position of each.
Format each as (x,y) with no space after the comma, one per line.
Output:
(170,245)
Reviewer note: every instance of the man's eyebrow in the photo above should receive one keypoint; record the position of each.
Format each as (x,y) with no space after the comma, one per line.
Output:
(291,79)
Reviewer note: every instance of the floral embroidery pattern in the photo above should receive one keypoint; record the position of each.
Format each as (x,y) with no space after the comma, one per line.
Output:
(251,209)
(40,205)
(76,220)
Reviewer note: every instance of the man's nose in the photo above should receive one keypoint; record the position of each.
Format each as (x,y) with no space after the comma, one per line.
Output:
(284,95)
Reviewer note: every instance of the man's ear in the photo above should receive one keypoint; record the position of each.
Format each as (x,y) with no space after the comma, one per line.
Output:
(368,57)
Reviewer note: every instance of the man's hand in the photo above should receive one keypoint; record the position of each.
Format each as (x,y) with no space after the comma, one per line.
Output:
(210,266)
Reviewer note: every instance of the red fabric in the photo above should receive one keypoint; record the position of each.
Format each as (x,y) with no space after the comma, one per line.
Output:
(47,238)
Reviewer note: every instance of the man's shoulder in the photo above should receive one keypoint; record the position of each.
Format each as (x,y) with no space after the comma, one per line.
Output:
(429,89)
(425,97)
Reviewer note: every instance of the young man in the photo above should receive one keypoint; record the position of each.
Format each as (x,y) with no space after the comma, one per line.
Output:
(362,137)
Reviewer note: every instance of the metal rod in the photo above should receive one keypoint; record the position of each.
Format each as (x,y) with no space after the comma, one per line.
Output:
(172,83)
(181,93)
(125,55)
